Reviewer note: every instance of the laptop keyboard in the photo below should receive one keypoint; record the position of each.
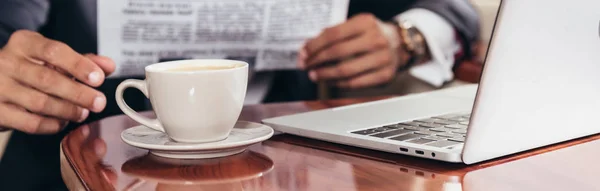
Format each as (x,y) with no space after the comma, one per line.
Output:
(444,131)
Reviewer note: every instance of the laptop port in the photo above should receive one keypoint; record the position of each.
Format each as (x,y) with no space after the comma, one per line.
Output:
(420,152)
(432,154)
(419,173)
(403,149)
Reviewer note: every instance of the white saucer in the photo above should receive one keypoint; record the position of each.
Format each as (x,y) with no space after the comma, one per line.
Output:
(243,135)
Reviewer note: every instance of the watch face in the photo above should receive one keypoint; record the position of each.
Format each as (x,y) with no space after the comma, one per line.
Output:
(412,32)
(414,39)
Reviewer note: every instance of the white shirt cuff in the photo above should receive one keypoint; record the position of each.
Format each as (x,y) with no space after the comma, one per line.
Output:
(441,42)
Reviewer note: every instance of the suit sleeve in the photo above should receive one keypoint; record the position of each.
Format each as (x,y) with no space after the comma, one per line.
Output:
(21,14)
(449,28)
(459,13)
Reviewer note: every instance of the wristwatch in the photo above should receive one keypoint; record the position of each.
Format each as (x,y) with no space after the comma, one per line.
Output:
(412,41)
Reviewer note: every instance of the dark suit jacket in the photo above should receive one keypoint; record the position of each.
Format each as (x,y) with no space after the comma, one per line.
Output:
(31,162)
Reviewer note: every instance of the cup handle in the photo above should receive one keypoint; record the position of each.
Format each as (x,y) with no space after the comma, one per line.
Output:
(140,85)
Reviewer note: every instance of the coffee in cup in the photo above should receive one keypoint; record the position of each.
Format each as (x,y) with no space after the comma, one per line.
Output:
(199,68)
(195,101)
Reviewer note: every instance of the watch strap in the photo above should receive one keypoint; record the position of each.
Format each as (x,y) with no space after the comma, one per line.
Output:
(412,41)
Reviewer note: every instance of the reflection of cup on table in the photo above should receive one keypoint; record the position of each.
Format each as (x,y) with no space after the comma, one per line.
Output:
(219,187)
(205,174)
(195,101)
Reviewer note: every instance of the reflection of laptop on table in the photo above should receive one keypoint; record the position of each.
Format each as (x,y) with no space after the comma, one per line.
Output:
(540,86)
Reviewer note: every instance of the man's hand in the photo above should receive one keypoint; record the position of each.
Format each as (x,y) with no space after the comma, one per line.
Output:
(38,93)
(364,54)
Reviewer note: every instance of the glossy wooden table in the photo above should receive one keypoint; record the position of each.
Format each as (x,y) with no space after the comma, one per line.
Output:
(94,158)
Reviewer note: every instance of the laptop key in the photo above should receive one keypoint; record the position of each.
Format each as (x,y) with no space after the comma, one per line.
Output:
(453,126)
(459,139)
(425,132)
(439,129)
(413,124)
(393,126)
(431,125)
(459,119)
(421,141)
(448,129)
(372,130)
(445,122)
(411,128)
(364,132)
(464,123)
(444,143)
(386,128)
(407,137)
(456,126)
(460,131)
(436,138)
(428,120)
(392,133)
(401,125)
(447,135)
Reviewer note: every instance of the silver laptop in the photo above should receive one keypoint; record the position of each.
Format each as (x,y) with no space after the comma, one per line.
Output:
(540,86)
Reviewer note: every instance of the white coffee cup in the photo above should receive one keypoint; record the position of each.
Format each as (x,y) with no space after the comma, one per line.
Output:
(195,101)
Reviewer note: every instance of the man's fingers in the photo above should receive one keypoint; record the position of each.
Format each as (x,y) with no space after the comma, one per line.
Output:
(107,64)
(300,62)
(34,45)
(353,67)
(355,26)
(52,82)
(369,41)
(374,78)
(40,103)
(61,71)
(21,120)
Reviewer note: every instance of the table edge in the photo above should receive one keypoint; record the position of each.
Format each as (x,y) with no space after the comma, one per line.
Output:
(70,168)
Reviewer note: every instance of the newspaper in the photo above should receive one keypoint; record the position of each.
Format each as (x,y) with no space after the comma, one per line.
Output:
(266,33)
